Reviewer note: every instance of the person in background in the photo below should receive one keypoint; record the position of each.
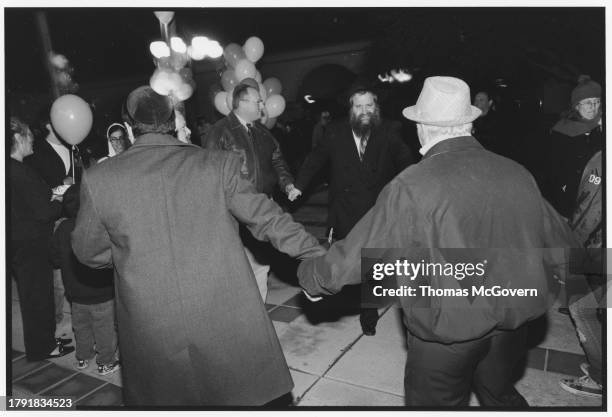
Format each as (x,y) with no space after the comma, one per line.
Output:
(118,140)
(364,152)
(263,163)
(487,128)
(575,138)
(33,211)
(91,294)
(587,301)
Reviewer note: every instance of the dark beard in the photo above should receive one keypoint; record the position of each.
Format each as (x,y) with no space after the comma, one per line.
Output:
(363,129)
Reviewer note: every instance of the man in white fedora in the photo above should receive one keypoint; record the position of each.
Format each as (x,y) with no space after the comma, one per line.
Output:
(460,205)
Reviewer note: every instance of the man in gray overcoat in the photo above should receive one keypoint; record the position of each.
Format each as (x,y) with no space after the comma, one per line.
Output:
(164,214)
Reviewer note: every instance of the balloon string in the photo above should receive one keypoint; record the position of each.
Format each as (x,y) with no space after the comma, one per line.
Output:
(73,151)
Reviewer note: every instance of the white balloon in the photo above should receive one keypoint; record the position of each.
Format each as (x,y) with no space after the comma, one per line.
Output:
(184,92)
(221,103)
(253,48)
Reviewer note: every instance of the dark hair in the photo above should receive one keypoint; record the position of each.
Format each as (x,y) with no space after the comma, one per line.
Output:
(17,128)
(362,91)
(239,92)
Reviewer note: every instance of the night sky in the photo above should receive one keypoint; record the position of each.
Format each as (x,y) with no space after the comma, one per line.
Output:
(524,44)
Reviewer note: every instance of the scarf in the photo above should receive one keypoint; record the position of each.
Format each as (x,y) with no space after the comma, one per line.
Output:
(573,128)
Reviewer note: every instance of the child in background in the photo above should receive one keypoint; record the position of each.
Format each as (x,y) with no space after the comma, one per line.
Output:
(91,293)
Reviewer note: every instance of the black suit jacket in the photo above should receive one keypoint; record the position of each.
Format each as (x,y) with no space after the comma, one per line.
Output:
(355,184)
(32,211)
(47,163)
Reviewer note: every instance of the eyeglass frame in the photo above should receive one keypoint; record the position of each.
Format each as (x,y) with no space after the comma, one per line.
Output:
(258,102)
(586,104)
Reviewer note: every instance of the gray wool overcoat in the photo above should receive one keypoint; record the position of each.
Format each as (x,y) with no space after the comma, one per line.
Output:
(193,329)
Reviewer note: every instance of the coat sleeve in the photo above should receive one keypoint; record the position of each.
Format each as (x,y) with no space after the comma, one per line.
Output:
(314,162)
(214,139)
(386,225)
(90,240)
(263,217)
(401,152)
(280,166)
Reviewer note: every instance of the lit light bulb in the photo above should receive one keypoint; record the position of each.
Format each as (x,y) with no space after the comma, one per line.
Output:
(178,45)
(159,49)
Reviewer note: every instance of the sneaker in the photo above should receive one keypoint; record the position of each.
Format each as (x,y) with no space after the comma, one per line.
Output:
(582,386)
(82,364)
(109,368)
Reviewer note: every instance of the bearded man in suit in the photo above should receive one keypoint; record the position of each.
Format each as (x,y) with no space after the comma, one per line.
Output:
(365,152)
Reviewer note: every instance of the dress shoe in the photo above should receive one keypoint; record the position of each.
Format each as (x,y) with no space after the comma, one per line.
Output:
(61,351)
(370,331)
(63,341)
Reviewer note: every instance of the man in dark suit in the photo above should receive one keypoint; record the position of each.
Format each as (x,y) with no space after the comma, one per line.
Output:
(193,329)
(262,163)
(52,160)
(365,153)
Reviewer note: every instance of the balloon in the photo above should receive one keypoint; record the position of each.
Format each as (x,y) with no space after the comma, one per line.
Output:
(229,99)
(258,76)
(275,105)
(184,92)
(232,54)
(71,117)
(270,122)
(221,104)
(251,83)
(228,80)
(244,69)
(164,17)
(273,86)
(174,81)
(160,82)
(253,49)
(262,92)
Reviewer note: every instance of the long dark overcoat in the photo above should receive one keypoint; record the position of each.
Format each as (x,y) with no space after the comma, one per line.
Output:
(193,329)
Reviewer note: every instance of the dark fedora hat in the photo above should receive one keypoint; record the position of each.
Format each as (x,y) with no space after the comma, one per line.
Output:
(147,107)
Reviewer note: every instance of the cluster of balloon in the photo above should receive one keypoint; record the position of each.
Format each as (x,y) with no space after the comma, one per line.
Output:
(62,73)
(172,78)
(240,68)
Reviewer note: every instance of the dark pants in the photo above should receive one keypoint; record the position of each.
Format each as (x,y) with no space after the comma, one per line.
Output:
(95,324)
(444,375)
(34,276)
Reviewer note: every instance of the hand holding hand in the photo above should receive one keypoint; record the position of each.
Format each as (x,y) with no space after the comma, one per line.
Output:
(292,192)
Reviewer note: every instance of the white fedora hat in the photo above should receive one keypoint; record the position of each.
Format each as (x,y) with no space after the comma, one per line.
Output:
(444,101)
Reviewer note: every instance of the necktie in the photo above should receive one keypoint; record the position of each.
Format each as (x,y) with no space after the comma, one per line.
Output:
(250,131)
(362,146)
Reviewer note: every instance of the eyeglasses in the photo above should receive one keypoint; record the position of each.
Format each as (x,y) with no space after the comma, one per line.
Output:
(590,103)
(258,102)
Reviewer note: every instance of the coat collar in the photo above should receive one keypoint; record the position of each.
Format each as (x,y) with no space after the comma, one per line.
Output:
(157,139)
(453,145)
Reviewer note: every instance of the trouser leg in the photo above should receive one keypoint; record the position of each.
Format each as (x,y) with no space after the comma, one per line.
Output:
(584,314)
(438,374)
(58,295)
(34,277)
(104,331)
(494,374)
(82,323)
(260,270)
